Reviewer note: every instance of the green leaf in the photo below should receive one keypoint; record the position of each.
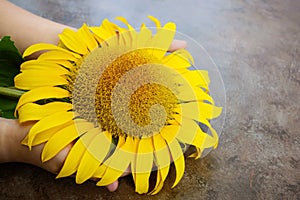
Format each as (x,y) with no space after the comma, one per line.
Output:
(7,107)
(10,61)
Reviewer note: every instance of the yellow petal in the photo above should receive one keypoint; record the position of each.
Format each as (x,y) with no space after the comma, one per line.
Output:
(43,46)
(124,20)
(97,37)
(25,141)
(125,39)
(44,136)
(94,156)
(42,93)
(102,168)
(188,93)
(51,121)
(109,26)
(162,40)
(187,129)
(162,160)
(42,127)
(118,162)
(143,25)
(105,31)
(43,65)
(58,55)
(167,133)
(205,76)
(111,42)
(179,59)
(64,63)
(111,175)
(73,41)
(88,37)
(214,137)
(64,137)
(199,111)
(197,154)
(161,151)
(43,72)
(161,177)
(100,171)
(196,78)
(143,37)
(211,111)
(34,112)
(159,184)
(155,20)
(74,157)
(143,165)
(177,156)
(203,141)
(182,134)
(135,146)
(129,36)
(190,133)
(28,80)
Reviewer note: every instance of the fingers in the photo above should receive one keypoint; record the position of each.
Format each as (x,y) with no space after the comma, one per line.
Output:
(114,186)
(177,44)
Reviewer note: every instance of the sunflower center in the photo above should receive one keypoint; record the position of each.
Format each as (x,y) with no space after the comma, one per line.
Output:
(137,95)
(146,97)
(133,95)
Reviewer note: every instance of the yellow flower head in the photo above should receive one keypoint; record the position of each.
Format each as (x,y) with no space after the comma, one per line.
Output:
(121,99)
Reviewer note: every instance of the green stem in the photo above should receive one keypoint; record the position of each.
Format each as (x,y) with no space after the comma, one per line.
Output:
(11,92)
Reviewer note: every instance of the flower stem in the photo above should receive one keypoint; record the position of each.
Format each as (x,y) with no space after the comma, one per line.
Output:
(11,92)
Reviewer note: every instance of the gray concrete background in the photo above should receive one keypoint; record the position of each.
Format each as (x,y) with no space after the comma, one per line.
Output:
(256,45)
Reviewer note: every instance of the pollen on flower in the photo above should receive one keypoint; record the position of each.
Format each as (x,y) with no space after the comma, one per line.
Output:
(147,96)
(138,104)
(141,100)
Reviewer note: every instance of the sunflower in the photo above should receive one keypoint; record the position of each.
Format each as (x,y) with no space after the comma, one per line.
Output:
(121,99)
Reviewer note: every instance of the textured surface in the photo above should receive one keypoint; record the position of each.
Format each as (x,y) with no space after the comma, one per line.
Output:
(256,45)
